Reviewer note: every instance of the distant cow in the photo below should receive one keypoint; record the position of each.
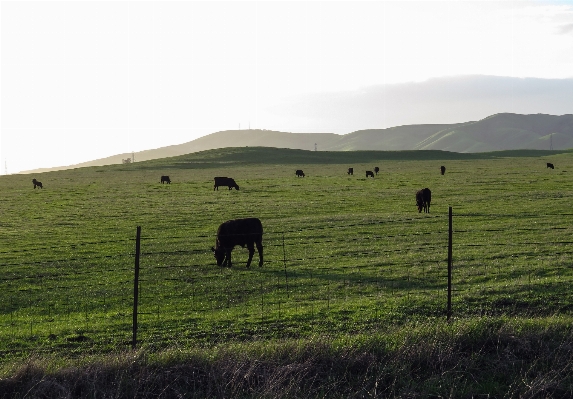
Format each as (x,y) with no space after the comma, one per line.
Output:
(225,181)
(299,173)
(423,199)
(165,179)
(550,165)
(351,171)
(37,183)
(369,173)
(241,232)
(376,169)
(443,169)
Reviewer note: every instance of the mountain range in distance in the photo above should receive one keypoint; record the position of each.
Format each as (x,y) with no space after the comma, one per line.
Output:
(504,131)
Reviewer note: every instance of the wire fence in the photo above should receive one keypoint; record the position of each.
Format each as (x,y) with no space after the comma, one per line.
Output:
(338,276)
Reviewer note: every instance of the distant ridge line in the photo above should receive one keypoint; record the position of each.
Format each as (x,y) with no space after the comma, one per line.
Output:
(499,132)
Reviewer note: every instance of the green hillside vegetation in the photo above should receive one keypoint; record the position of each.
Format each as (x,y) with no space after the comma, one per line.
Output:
(351,300)
(281,156)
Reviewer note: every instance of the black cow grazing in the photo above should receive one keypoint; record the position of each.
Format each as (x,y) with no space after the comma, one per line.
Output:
(369,173)
(376,169)
(37,184)
(299,173)
(443,169)
(225,181)
(550,165)
(165,179)
(423,199)
(241,232)
(351,171)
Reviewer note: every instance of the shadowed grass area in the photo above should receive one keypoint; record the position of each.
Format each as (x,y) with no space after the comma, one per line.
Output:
(489,356)
(274,156)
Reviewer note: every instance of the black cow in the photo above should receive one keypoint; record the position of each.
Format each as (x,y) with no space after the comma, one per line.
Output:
(351,171)
(376,169)
(241,232)
(369,173)
(165,179)
(423,199)
(37,183)
(225,181)
(550,165)
(443,169)
(299,173)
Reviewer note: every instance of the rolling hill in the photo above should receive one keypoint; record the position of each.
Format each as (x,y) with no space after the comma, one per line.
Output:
(505,132)
(498,132)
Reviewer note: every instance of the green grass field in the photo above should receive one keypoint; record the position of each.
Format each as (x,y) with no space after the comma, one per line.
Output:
(345,256)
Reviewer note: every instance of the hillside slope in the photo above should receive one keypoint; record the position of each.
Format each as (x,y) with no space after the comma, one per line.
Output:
(505,132)
(398,138)
(495,133)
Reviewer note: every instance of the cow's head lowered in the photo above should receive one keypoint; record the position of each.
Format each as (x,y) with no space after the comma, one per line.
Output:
(219,254)
(420,201)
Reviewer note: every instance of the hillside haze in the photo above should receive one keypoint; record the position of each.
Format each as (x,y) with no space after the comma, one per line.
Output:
(498,132)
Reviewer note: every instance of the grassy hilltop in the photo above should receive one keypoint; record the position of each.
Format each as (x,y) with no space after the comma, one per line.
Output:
(350,302)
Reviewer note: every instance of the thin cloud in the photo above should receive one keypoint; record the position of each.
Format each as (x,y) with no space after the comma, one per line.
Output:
(565,29)
(439,100)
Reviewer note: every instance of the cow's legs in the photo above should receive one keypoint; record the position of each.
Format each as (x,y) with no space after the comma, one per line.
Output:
(227,261)
(251,253)
(260,249)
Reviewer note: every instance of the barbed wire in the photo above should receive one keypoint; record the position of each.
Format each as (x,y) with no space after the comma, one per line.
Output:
(175,268)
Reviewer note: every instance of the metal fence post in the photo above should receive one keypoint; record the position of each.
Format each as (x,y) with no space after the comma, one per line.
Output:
(284,262)
(136,286)
(450,266)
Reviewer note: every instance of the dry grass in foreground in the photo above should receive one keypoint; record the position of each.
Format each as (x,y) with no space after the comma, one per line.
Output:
(474,358)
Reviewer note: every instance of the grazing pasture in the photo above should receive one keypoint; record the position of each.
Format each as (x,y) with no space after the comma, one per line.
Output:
(342,255)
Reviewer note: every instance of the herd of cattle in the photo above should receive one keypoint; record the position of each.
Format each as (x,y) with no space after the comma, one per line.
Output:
(249,232)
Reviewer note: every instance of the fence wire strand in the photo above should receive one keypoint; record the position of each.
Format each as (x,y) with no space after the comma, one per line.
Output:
(330,275)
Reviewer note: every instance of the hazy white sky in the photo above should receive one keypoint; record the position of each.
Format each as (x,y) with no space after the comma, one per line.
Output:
(84,80)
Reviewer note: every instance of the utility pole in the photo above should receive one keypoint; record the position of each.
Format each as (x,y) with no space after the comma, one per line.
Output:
(315,146)
(132,156)
(5,167)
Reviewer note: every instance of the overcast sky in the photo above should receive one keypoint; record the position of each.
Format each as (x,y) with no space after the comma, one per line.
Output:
(85,80)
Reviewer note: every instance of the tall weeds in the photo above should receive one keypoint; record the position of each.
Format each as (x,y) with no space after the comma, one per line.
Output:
(496,357)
